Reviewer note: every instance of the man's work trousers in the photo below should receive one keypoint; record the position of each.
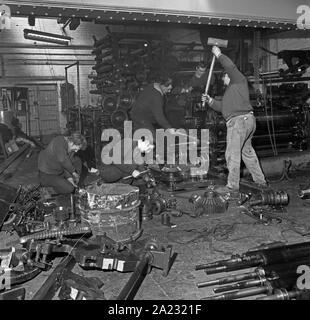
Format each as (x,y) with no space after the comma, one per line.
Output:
(240,130)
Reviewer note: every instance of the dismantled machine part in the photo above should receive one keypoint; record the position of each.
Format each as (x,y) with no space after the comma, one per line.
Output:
(210,202)
(104,254)
(275,275)
(15,268)
(262,206)
(261,257)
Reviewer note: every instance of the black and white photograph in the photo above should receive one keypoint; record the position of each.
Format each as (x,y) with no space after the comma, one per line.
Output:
(156,152)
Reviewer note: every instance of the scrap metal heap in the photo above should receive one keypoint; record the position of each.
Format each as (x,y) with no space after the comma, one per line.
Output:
(60,225)
(275,276)
(50,228)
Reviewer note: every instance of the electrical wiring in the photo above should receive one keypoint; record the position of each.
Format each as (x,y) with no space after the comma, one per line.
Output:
(272,140)
(220,232)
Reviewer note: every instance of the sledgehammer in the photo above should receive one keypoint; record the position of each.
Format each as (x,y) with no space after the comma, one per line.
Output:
(213,42)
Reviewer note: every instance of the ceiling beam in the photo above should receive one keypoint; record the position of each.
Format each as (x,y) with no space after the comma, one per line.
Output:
(211,12)
(39,47)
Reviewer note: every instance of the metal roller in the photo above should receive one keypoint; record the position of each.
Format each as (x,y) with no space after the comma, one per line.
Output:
(126,101)
(118,117)
(109,103)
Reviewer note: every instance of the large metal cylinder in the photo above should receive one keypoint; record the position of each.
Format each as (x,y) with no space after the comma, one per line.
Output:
(112,209)
(279,119)
(280,130)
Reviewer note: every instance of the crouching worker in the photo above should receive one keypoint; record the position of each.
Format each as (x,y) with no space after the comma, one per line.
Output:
(119,171)
(57,164)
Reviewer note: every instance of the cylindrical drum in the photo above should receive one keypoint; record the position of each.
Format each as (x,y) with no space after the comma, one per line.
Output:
(112,209)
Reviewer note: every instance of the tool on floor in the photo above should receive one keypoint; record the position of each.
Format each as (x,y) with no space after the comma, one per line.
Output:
(219,43)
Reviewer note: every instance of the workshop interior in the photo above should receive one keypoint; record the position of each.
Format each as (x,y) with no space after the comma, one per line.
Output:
(232,223)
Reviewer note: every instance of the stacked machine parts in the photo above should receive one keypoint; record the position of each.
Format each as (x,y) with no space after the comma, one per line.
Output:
(277,274)
(282,123)
(124,64)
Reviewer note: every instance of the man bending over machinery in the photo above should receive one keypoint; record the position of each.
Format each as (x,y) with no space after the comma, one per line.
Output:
(127,173)
(148,110)
(57,165)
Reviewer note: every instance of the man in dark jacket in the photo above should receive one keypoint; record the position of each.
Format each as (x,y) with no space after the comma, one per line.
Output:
(241,124)
(6,133)
(148,110)
(58,168)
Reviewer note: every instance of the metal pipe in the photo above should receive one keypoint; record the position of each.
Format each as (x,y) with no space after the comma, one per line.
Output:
(218,263)
(278,255)
(241,285)
(79,94)
(72,208)
(51,62)
(231,279)
(44,46)
(67,93)
(283,294)
(53,282)
(241,293)
(41,54)
(130,289)
(255,262)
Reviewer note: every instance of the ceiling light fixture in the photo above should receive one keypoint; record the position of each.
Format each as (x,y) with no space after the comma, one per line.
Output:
(46,37)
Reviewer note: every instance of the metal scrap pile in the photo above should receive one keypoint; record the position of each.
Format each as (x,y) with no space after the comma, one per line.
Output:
(49,228)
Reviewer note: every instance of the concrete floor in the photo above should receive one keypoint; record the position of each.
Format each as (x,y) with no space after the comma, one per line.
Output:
(195,240)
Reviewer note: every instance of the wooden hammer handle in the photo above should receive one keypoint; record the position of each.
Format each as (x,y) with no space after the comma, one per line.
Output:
(209,78)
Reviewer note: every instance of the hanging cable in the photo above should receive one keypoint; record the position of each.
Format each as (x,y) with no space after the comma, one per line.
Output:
(267,121)
(272,122)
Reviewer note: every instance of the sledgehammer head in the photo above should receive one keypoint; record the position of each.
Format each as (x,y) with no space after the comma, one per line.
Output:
(217,42)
